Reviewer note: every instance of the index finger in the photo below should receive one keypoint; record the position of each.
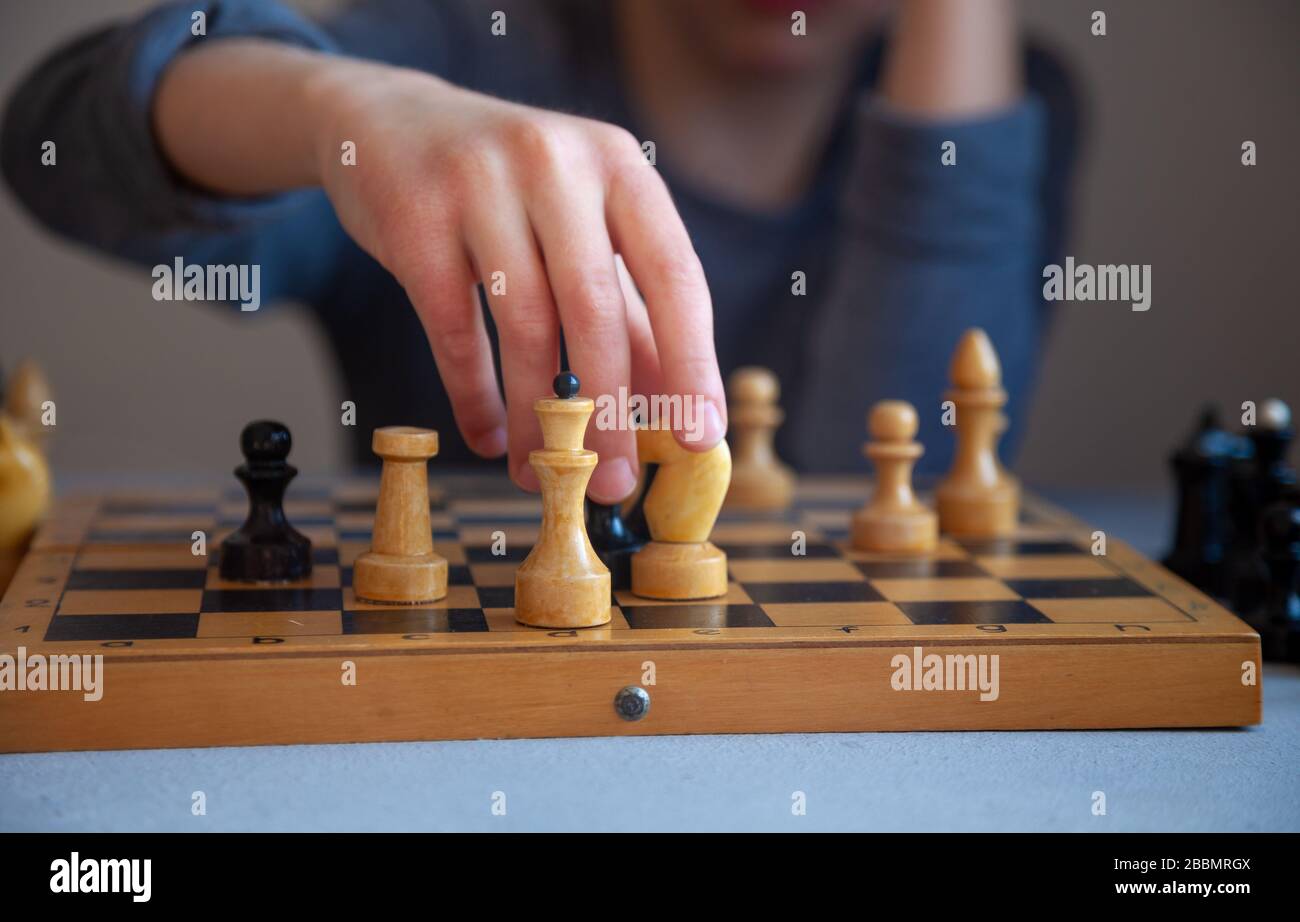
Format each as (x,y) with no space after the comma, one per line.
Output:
(649,234)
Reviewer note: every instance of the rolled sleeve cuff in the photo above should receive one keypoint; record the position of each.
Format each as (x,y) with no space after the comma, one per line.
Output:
(122,113)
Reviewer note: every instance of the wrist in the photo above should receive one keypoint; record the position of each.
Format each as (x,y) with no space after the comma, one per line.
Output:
(338,93)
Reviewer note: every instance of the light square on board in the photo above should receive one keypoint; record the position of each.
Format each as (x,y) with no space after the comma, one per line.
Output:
(944,590)
(129,601)
(759,532)
(270,624)
(350,550)
(946,549)
(144,557)
(794,570)
(1047,566)
(832,614)
(1109,611)
(493,574)
(481,535)
(349,522)
(483,510)
(155,523)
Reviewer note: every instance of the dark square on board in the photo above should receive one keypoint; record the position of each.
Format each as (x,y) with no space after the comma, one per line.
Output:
(777,593)
(697,615)
(281,599)
(988,612)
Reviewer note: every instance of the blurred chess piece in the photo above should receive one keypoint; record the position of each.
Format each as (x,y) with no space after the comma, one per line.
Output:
(1260,475)
(978,497)
(894,520)
(27,394)
(759,481)
(1278,618)
(24,495)
(1201,468)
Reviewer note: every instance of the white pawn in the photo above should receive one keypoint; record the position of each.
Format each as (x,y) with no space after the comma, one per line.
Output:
(894,520)
(759,481)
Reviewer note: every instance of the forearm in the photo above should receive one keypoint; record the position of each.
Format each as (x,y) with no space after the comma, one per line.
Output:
(953,58)
(237,116)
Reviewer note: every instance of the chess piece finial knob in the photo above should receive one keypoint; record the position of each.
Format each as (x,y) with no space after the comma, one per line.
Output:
(564,417)
(753,385)
(566,385)
(265,441)
(893,421)
(975,364)
(1274,415)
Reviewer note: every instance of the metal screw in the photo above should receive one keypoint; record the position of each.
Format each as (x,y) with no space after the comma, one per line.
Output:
(632,702)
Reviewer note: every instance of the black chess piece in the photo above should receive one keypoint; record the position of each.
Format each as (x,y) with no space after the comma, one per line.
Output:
(1278,618)
(1201,468)
(614,541)
(634,518)
(1260,478)
(266,548)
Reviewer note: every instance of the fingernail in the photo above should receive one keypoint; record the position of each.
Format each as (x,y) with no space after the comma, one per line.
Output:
(491,444)
(709,429)
(612,481)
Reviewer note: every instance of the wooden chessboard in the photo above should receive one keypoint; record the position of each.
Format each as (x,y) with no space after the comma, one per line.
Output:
(800,643)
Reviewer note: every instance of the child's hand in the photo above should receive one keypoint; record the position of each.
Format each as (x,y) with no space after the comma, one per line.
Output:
(452,187)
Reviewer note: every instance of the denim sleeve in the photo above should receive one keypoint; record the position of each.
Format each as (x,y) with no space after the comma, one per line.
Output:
(929,246)
(110,188)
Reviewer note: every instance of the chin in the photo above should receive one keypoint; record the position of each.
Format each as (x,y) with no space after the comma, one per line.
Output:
(754,36)
(773,59)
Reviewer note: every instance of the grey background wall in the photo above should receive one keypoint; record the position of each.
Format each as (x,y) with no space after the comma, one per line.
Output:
(1173,90)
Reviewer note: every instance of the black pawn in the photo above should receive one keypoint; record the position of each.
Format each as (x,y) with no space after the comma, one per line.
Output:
(1201,468)
(614,542)
(266,547)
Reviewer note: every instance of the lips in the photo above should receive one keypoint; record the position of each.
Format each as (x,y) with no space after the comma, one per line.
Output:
(781,7)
